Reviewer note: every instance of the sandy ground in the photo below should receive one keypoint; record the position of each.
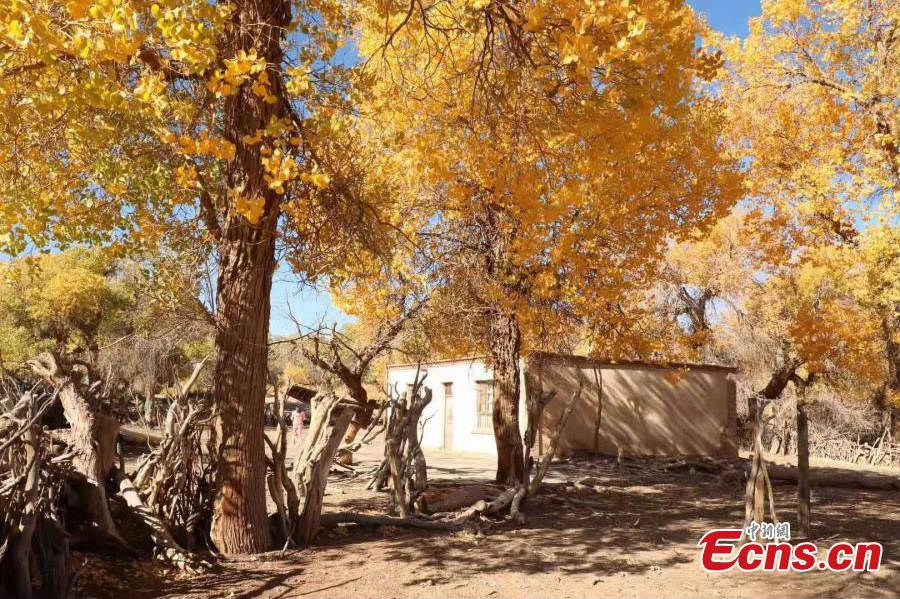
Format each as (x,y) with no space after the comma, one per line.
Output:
(636,537)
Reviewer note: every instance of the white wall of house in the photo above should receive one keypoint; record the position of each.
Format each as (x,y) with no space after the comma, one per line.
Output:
(646,409)
(460,433)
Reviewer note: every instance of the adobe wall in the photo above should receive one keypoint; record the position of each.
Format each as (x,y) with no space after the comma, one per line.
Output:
(644,411)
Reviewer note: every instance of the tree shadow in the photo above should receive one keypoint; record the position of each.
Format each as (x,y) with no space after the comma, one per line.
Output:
(637,520)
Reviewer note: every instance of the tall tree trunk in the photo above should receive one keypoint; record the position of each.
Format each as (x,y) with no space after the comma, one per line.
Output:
(505,346)
(240,524)
(802,470)
(246,265)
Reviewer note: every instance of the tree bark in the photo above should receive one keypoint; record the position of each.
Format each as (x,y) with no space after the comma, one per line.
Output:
(246,265)
(802,470)
(755,492)
(362,418)
(92,438)
(316,471)
(505,341)
(240,524)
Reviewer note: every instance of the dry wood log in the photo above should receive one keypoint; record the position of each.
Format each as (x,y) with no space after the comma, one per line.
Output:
(32,419)
(372,520)
(515,505)
(510,497)
(189,383)
(450,499)
(173,479)
(22,534)
(415,454)
(140,434)
(826,477)
(404,463)
(368,437)
(33,547)
(280,486)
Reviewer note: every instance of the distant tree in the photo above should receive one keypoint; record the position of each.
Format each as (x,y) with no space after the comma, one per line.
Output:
(810,97)
(65,303)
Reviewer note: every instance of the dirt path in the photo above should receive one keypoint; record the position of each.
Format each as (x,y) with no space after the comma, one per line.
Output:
(637,537)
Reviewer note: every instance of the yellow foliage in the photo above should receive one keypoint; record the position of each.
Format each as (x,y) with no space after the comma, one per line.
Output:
(57,301)
(572,157)
(808,268)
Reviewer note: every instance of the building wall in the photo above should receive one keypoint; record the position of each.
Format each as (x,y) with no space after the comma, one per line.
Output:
(644,411)
(464,374)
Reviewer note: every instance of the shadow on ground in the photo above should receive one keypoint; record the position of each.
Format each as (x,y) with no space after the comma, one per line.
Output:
(634,534)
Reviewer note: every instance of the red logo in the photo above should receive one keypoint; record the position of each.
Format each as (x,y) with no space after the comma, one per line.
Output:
(720,551)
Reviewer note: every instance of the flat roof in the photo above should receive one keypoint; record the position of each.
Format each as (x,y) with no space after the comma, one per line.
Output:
(586,360)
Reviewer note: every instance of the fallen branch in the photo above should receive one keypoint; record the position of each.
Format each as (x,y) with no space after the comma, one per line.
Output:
(140,434)
(837,479)
(371,520)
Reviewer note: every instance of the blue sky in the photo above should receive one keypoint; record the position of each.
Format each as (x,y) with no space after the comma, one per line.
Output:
(311,305)
(728,16)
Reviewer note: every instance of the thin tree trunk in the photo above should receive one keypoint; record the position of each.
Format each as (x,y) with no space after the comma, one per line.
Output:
(786,444)
(413,448)
(505,347)
(535,402)
(246,264)
(756,483)
(598,381)
(889,324)
(317,473)
(544,465)
(362,418)
(755,497)
(802,471)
